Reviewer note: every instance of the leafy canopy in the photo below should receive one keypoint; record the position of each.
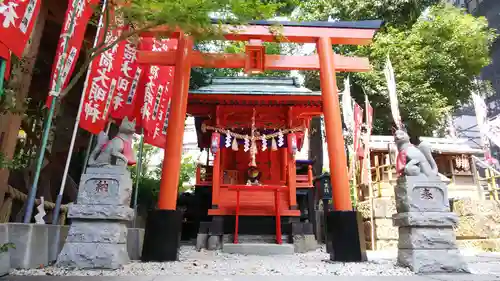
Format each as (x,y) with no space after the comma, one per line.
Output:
(435,57)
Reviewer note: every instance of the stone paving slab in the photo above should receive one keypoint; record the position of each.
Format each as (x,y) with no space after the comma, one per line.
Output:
(446,277)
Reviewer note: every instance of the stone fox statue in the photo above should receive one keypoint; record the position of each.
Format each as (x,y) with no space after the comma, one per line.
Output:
(414,161)
(117,151)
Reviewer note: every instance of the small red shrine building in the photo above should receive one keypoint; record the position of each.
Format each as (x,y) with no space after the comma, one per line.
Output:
(258,125)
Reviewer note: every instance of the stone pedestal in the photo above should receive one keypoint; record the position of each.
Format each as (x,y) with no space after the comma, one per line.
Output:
(98,234)
(427,242)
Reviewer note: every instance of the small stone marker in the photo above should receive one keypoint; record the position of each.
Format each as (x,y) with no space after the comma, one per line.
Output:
(41,212)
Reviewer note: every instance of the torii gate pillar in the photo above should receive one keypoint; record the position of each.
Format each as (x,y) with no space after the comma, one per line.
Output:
(163,226)
(343,224)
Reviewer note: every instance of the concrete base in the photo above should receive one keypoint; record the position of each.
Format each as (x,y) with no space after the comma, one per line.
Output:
(55,233)
(93,255)
(31,242)
(201,241)
(95,244)
(304,243)
(259,249)
(5,256)
(214,242)
(432,261)
(162,236)
(135,240)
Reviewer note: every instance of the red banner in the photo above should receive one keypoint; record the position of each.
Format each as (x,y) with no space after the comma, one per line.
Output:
(101,85)
(157,94)
(130,75)
(17,18)
(72,35)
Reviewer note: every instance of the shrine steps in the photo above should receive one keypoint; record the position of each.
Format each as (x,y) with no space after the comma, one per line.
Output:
(258,249)
(255,239)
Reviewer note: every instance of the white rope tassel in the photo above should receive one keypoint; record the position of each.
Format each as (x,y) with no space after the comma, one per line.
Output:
(235,145)
(264,143)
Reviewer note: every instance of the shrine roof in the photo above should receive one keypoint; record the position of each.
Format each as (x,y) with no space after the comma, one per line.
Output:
(438,145)
(364,24)
(259,86)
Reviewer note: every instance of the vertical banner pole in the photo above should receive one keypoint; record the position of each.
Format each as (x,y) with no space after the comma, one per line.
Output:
(46,129)
(138,176)
(55,215)
(3,66)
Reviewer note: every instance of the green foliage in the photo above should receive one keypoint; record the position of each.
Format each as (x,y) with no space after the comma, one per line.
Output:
(400,13)
(188,170)
(194,16)
(5,247)
(149,182)
(19,161)
(435,58)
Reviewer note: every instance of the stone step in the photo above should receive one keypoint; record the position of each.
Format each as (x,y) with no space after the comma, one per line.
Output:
(253,239)
(258,249)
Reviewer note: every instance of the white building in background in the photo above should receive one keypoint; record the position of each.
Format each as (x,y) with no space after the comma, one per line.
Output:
(190,140)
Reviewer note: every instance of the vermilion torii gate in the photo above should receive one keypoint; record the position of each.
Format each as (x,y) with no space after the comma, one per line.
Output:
(161,238)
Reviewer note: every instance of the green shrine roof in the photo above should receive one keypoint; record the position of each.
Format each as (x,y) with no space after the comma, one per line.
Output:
(260,86)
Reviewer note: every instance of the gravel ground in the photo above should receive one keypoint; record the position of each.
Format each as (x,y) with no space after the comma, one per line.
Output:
(192,262)
(315,263)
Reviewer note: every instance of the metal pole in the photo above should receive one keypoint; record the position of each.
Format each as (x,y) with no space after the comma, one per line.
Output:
(138,176)
(87,154)
(108,127)
(3,66)
(46,130)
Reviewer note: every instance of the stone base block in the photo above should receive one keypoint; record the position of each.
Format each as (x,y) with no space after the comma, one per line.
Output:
(345,233)
(31,242)
(214,242)
(135,240)
(420,194)
(432,261)
(162,236)
(101,212)
(427,238)
(258,249)
(57,235)
(93,231)
(304,243)
(201,241)
(434,219)
(5,256)
(93,255)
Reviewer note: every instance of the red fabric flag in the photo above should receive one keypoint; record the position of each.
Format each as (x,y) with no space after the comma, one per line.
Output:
(80,12)
(101,85)
(5,54)
(157,94)
(128,82)
(17,18)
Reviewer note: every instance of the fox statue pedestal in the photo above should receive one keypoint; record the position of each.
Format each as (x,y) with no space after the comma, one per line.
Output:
(427,241)
(97,237)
